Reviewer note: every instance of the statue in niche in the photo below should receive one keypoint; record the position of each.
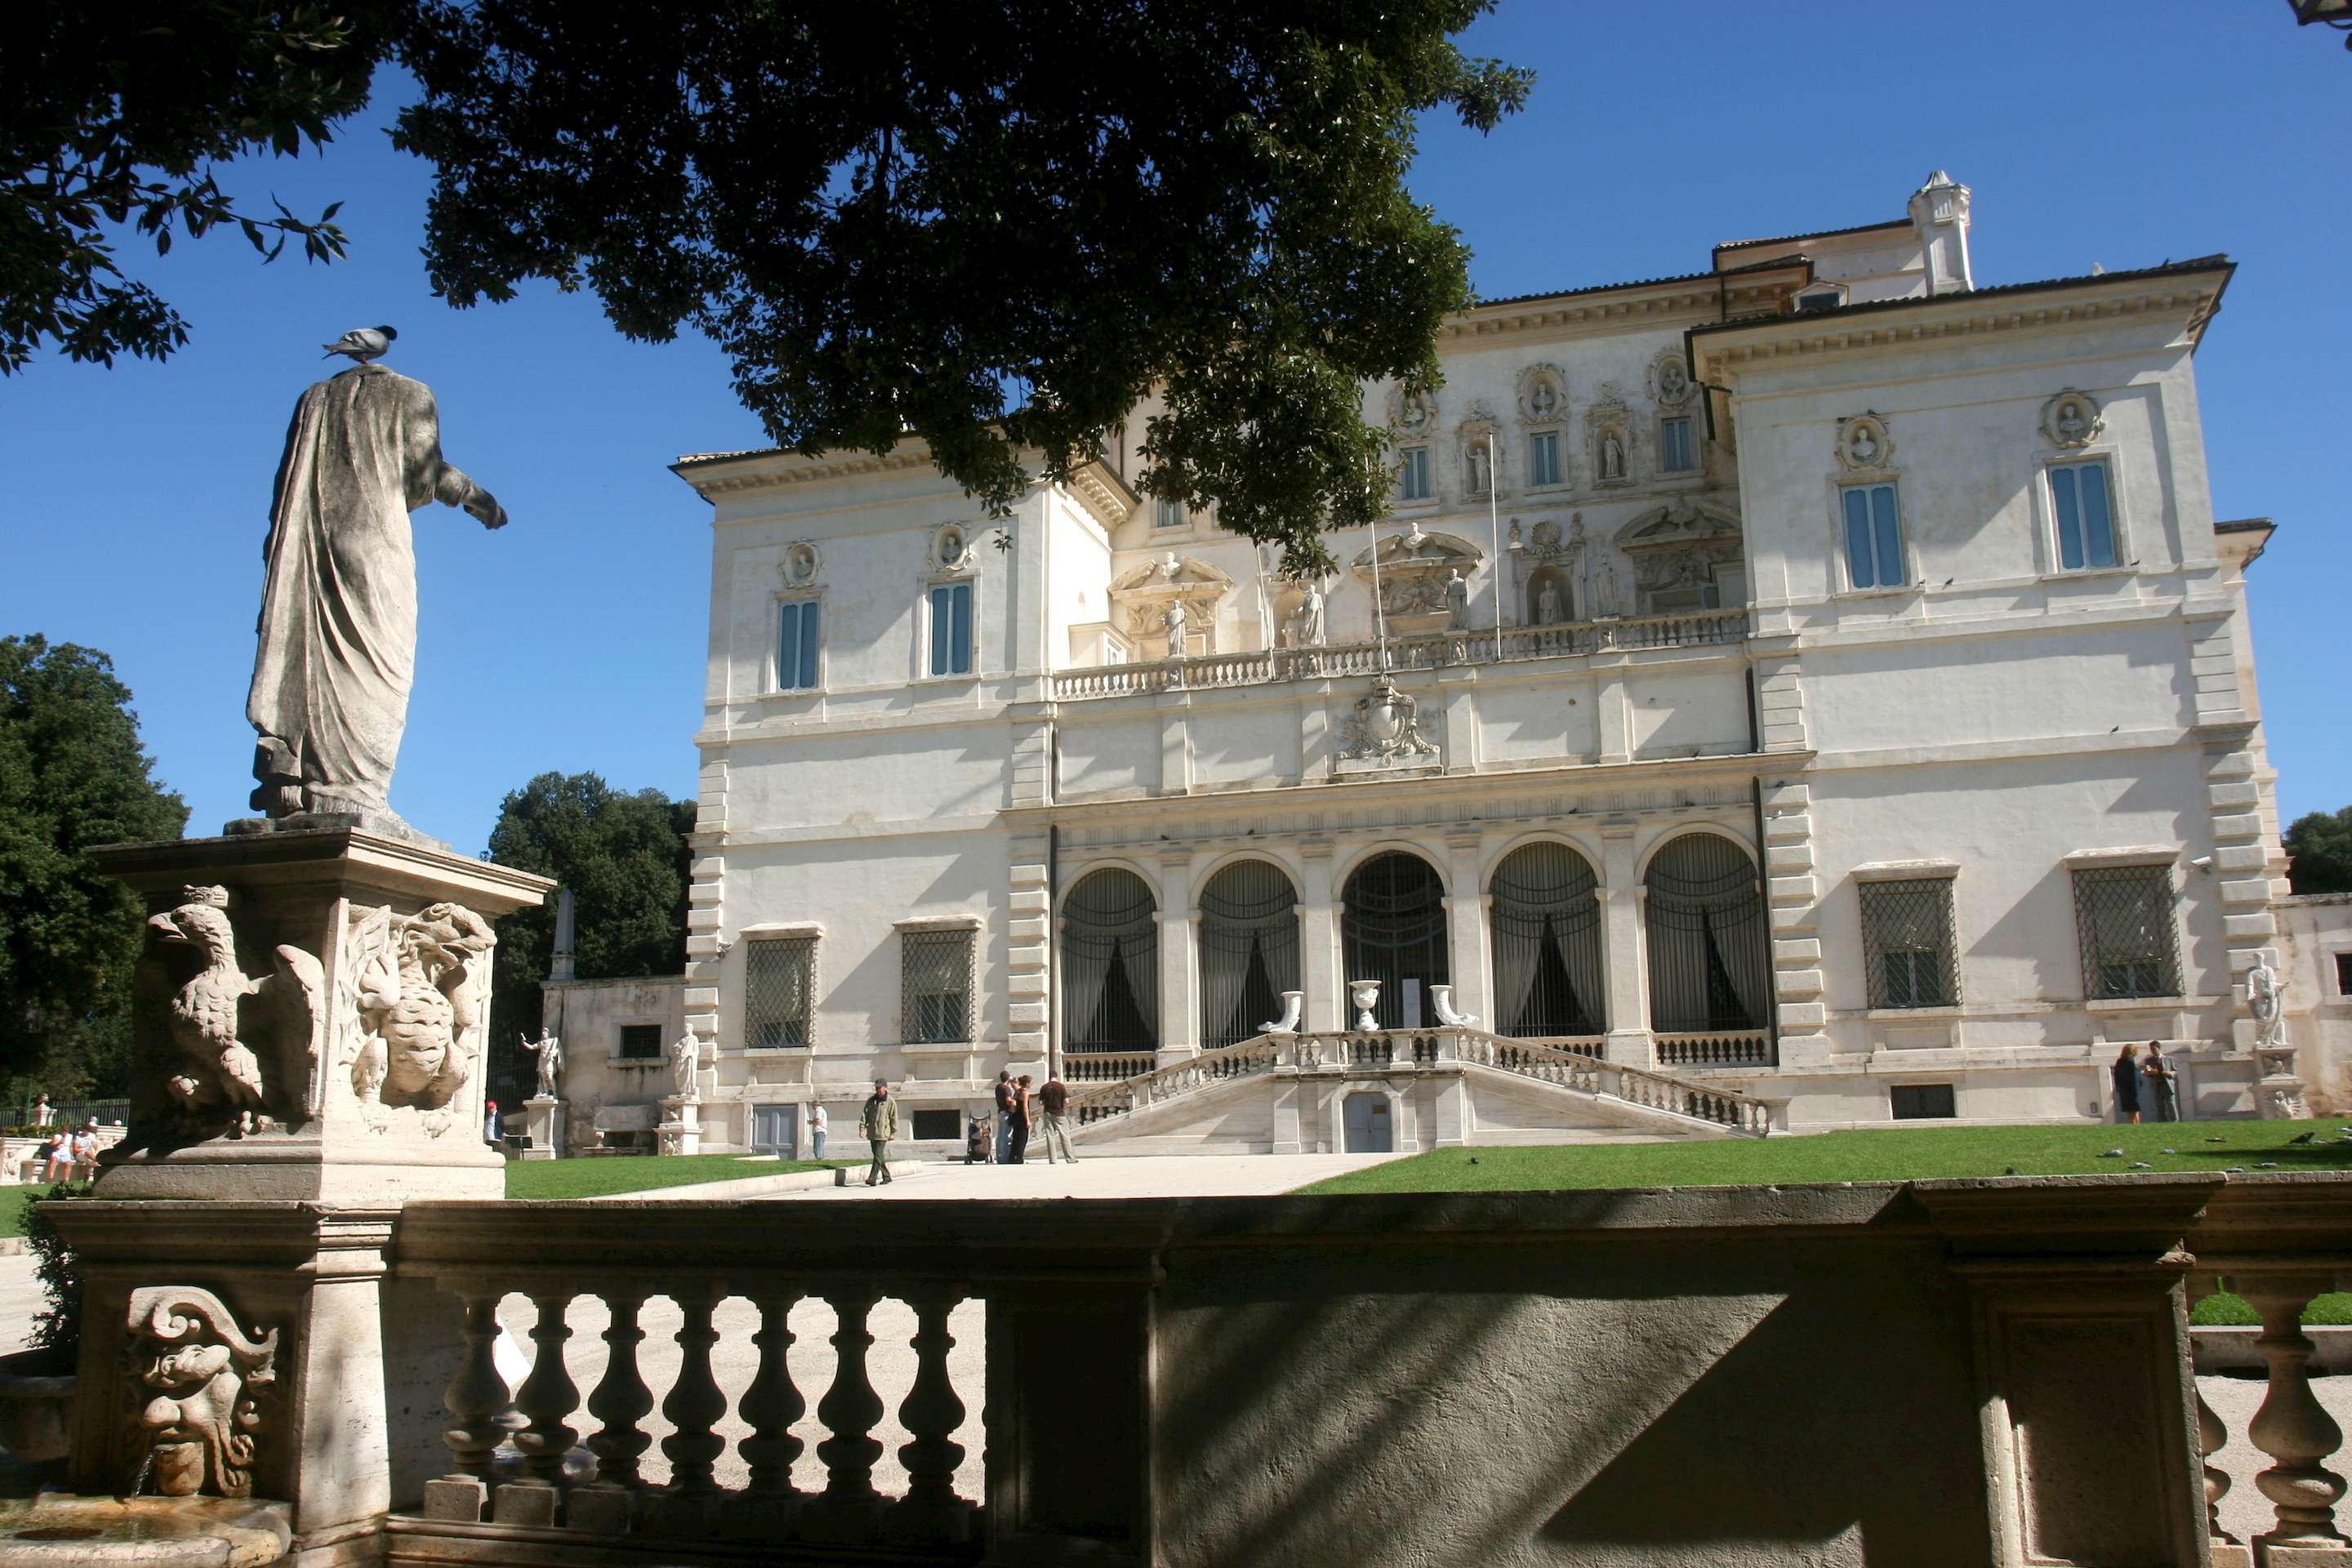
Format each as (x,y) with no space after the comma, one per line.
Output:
(1548,606)
(1458,601)
(1172,621)
(338,625)
(1515,541)
(1862,447)
(1612,455)
(548,1049)
(684,1063)
(1482,469)
(1543,398)
(1674,382)
(2072,426)
(199,1392)
(1307,618)
(1604,590)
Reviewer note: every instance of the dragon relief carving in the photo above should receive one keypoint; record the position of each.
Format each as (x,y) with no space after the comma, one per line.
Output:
(239,1040)
(416,987)
(198,1387)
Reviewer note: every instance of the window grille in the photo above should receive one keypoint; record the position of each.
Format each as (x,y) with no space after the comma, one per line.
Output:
(1392,929)
(1907,942)
(935,977)
(640,1042)
(1543,457)
(1922,1102)
(796,641)
(777,979)
(1249,950)
(1873,537)
(1110,963)
(2123,917)
(1674,455)
(1709,956)
(1546,939)
(1415,471)
(2086,533)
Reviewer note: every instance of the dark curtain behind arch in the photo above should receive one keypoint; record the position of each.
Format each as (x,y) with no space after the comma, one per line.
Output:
(1110,963)
(1391,930)
(1546,924)
(1709,952)
(1249,950)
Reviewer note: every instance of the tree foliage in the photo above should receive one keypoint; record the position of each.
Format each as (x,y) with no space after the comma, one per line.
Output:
(624,858)
(993,225)
(116,117)
(2320,852)
(72,774)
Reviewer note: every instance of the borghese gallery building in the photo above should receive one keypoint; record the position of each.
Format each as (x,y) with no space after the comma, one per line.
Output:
(1818,676)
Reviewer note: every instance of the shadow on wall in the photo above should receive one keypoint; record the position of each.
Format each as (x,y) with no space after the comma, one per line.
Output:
(1569,1407)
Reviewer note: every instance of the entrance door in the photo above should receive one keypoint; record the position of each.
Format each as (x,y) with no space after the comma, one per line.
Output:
(776,1130)
(1364,1122)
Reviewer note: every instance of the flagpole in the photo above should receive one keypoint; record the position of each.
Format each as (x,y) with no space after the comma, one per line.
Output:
(1495,534)
(1379,603)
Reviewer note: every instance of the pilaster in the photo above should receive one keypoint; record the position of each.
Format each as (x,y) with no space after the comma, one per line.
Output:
(1180,989)
(1465,922)
(1318,940)
(1793,905)
(1622,945)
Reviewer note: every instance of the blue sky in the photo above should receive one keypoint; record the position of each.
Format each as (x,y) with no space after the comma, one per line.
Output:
(2113,133)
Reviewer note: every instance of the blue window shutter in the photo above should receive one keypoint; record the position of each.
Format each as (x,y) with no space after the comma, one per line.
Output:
(1858,562)
(808,643)
(2063,501)
(1890,537)
(2098,526)
(940,617)
(788,647)
(962,643)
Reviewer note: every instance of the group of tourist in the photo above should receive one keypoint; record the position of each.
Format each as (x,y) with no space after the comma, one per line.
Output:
(70,1150)
(2151,1083)
(1021,1106)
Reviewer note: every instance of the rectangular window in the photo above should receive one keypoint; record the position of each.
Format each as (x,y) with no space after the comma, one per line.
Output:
(640,1042)
(1906,942)
(1543,457)
(1674,454)
(935,1126)
(935,980)
(2087,530)
(952,628)
(1415,473)
(2344,974)
(777,975)
(796,624)
(1873,537)
(1168,513)
(1922,1101)
(2123,918)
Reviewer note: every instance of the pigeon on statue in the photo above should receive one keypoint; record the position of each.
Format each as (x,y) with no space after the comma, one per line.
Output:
(363,343)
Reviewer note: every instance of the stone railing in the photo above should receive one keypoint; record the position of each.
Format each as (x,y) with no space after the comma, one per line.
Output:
(1736,1048)
(724,1381)
(1574,1064)
(1437,651)
(1106,1067)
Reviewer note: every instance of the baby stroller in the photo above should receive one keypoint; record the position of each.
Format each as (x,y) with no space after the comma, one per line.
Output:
(979,1145)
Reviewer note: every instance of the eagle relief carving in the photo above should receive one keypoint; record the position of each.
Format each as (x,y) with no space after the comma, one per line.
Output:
(245,1048)
(416,990)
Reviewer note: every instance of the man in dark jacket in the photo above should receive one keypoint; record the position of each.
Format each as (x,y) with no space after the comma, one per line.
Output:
(1053,1118)
(878,1122)
(1005,1097)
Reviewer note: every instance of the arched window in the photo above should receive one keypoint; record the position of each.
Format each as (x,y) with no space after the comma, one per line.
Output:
(1249,951)
(1708,952)
(1110,964)
(1392,929)
(1547,936)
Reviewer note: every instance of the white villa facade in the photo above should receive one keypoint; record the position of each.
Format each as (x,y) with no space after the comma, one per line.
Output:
(1847,699)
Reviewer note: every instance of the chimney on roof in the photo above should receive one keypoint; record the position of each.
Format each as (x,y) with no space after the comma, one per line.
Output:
(558,963)
(1940,212)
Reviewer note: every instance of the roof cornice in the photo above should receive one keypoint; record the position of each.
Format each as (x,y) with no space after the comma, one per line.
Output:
(1670,302)
(720,474)
(1102,493)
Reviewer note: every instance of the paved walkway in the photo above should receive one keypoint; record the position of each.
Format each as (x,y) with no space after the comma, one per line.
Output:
(1097,1176)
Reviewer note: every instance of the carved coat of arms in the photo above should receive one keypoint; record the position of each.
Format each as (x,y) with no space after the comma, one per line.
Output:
(1386,725)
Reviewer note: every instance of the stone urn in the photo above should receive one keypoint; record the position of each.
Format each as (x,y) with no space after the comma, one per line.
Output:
(36,1393)
(1367,997)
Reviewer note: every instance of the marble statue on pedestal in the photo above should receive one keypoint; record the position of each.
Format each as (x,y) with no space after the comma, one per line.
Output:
(685,1062)
(548,1049)
(2263,1002)
(338,625)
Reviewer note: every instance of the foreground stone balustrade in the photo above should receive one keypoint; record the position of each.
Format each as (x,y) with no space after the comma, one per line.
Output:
(1471,1378)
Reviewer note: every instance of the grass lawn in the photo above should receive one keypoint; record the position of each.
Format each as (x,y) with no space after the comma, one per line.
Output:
(597,1178)
(1895,1155)
(12,1203)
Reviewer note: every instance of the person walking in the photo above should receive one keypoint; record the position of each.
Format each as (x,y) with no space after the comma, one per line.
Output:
(1053,1118)
(1005,1094)
(2124,1071)
(819,1123)
(1020,1120)
(2163,1086)
(490,1124)
(878,1125)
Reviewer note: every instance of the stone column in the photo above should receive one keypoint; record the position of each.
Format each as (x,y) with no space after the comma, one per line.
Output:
(1180,989)
(1622,937)
(1318,942)
(1466,929)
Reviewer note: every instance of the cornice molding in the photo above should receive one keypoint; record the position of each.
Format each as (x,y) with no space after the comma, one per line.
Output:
(1953,316)
(1101,495)
(1634,305)
(738,472)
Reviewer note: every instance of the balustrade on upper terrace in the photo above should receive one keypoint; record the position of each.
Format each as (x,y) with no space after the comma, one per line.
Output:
(1429,651)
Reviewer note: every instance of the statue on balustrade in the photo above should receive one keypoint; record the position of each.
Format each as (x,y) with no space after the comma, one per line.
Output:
(338,626)
(1458,601)
(1305,625)
(1548,610)
(1604,591)
(1173,618)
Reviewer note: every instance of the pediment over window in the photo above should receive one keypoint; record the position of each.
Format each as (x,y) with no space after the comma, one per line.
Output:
(1686,554)
(1141,595)
(1683,520)
(1414,569)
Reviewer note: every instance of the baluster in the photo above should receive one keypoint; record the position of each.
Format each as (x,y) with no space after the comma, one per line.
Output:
(621,1400)
(931,1510)
(771,1403)
(849,1507)
(478,1396)
(2211,1436)
(2291,1427)
(695,1402)
(548,1395)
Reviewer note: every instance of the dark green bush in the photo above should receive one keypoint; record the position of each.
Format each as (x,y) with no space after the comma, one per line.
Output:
(57,1326)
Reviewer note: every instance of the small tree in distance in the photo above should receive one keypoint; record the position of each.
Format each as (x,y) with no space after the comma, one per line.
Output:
(2320,852)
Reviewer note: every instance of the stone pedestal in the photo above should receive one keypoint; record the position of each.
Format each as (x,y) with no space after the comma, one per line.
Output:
(2278,1090)
(543,1121)
(681,1126)
(309,1019)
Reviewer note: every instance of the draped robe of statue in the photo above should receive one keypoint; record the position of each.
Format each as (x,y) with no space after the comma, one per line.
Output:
(338,626)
